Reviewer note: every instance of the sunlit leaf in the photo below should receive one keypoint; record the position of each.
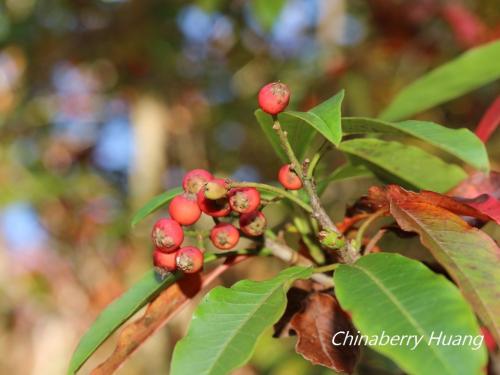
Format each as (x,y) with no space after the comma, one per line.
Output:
(472,69)
(228,322)
(461,143)
(299,136)
(393,295)
(404,164)
(154,204)
(324,118)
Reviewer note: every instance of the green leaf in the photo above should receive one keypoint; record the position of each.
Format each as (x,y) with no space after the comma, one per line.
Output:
(404,164)
(266,12)
(344,172)
(461,143)
(299,136)
(469,255)
(155,204)
(325,118)
(228,322)
(393,295)
(117,313)
(467,72)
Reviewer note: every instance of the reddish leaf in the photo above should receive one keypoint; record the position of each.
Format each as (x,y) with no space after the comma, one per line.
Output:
(470,256)
(380,199)
(485,204)
(315,326)
(482,192)
(490,121)
(467,27)
(158,313)
(478,183)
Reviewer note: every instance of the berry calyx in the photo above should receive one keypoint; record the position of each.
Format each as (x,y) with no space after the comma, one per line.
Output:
(288,178)
(189,259)
(194,180)
(253,223)
(274,97)
(215,208)
(164,262)
(184,209)
(215,189)
(244,200)
(167,235)
(224,236)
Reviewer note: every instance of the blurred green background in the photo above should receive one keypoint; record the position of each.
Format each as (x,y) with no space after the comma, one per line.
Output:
(105,103)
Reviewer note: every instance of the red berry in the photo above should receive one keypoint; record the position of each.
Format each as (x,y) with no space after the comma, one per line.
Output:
(164,261)
(184,209)
(244,200)
(215,189)
(253,223)
(194,180)
(167,235)
(274,97)
(215,208)
(189,259)
(288,178)
(224,236)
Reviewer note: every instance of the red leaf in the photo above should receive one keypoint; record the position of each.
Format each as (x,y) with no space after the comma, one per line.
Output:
(467,27)
(482,192)
(478,183)
(315,326)
(486,204)
(489,122)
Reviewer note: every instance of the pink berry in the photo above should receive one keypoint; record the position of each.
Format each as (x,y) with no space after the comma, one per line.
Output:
(194,180)
(224,236)
(288,178)
(189,259)
(253,223)
(166,262)
(167,235)
(184,209)
(215,208)
(244,200)
(274,97)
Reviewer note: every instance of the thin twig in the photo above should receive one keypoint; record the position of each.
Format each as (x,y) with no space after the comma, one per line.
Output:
(347,254)
(288,255)
(362,229)
(374,240)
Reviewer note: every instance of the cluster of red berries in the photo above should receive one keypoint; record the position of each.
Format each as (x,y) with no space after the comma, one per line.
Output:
(213,196)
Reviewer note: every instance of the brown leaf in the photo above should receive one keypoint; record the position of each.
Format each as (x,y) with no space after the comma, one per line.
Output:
(315,326)
(158,313)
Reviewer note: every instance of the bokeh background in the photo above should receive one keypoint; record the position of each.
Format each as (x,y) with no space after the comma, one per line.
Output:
(105,103)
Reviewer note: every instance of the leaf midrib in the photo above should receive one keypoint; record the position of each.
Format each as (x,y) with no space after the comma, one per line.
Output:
(405,314)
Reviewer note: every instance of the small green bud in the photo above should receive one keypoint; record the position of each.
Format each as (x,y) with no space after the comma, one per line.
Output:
(331,240)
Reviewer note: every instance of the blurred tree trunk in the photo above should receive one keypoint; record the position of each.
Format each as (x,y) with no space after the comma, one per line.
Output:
(151,119)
